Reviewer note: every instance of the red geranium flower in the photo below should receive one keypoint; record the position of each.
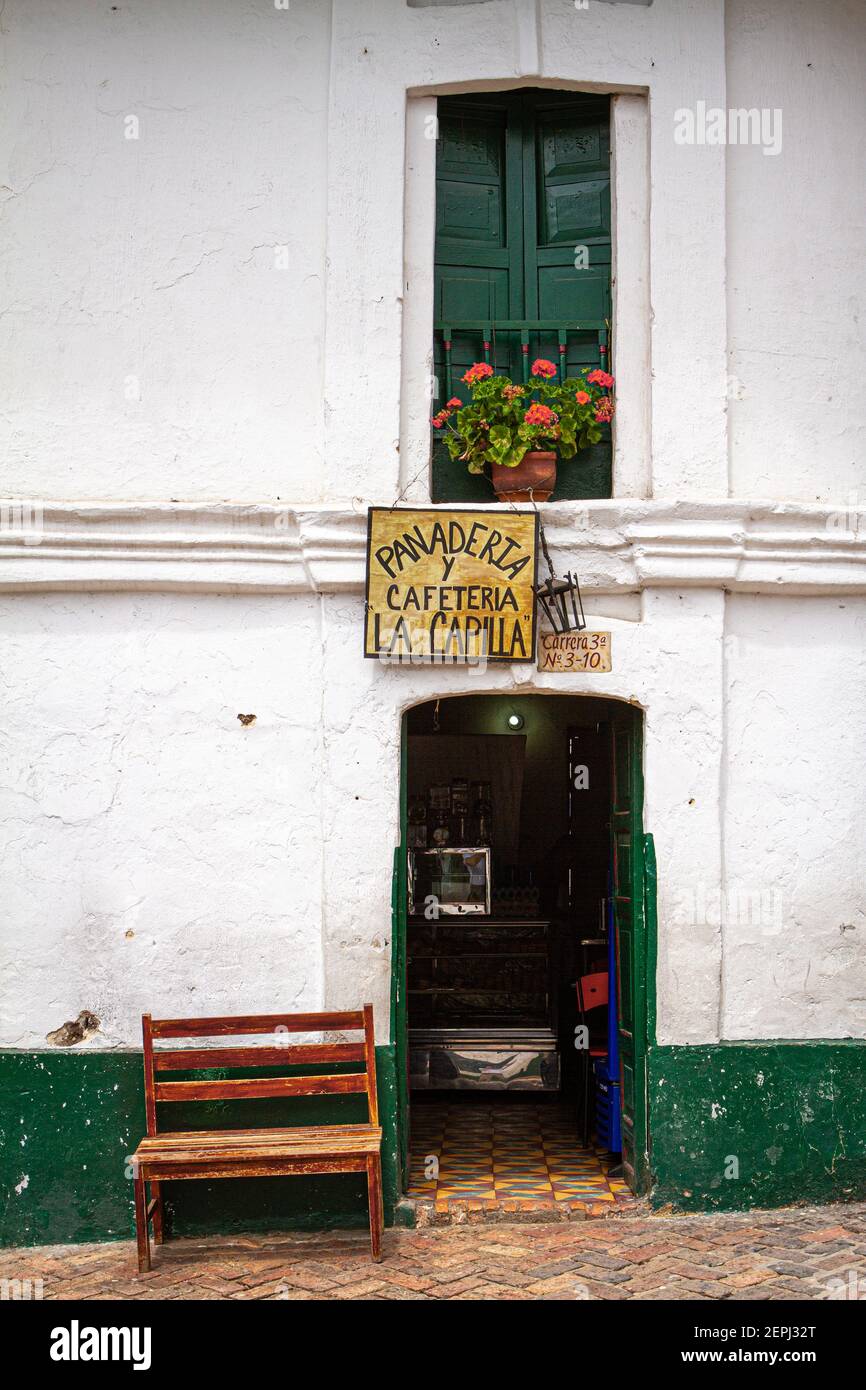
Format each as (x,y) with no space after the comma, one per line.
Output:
(600,378)
(541,367)
(582,397)
(604,410)
(455,403)
(539,414)
(477,372)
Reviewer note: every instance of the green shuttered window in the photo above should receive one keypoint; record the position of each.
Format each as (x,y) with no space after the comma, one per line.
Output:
(522,255)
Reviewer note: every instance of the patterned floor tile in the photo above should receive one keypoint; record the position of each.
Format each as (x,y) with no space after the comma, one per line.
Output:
(507,1151)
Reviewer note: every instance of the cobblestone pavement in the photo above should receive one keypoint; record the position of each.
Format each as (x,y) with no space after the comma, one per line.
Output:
(811,1253)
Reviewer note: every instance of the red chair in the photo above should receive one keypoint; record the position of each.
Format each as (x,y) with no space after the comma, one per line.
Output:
(592,993)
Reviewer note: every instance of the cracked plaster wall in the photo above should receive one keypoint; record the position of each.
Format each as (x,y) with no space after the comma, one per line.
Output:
(796,274)
(159,855)
(795,831)
(154,348)
(159,353)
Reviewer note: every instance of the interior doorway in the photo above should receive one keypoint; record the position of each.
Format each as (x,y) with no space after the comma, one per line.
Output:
(521,947)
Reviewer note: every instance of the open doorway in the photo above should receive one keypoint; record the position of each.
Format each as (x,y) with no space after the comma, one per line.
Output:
(523,952)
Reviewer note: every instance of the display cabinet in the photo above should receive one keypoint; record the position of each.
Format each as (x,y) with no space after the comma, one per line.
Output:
(482,1006)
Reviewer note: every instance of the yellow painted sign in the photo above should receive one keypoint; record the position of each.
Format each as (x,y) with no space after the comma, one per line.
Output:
(574,651)
(450,586)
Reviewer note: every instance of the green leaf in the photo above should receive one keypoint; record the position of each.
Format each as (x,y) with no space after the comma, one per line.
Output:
(515,455)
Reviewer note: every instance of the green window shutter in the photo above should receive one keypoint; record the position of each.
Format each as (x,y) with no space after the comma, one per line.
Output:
(478,267)
(522,193)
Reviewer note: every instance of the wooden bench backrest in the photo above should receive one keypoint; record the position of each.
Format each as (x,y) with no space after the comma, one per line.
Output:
(159,1061)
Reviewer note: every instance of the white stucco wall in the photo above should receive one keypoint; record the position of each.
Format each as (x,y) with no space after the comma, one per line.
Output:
(151,345)
(795,266)
(155,349)
(794,934)
(158,854)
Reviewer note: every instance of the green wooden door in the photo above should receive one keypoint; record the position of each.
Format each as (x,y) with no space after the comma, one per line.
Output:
(523,255)
(629,903)
(399,1013)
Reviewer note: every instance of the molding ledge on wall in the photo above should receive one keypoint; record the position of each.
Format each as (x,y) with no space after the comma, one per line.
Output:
(615,545)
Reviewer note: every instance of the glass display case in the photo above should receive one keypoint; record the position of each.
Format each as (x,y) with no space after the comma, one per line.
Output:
(482,1005)
(457,878)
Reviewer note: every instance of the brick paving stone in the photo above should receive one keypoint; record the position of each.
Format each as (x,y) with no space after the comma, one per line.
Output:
(748,1279)
(514,1278)
(604,1261)
(560,1286)
(790,1254)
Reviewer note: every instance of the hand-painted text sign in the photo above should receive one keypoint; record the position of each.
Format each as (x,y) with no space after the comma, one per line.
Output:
(452,586)
(574,651)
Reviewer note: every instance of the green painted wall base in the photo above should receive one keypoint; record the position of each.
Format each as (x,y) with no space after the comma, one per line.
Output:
(69,1120)
(791,1115)
(743,1125)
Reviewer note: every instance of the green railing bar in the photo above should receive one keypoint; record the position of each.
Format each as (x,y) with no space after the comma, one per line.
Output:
(518,325)
(446,335)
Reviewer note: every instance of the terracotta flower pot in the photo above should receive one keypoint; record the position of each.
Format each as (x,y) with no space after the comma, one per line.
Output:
(533,480)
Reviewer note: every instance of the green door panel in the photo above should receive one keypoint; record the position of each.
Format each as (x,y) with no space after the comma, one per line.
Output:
(471,143)
(569,294)
(572,171)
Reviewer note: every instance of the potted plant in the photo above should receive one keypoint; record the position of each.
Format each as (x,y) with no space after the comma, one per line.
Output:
(513,433)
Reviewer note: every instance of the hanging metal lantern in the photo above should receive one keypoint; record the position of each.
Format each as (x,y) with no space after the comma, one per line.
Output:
(562,604)
(560,598)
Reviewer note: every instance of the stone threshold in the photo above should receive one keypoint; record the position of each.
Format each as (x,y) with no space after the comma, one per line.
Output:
(421,1212)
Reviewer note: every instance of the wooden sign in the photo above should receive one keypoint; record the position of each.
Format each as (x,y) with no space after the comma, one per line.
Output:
(574,651)
(451,586)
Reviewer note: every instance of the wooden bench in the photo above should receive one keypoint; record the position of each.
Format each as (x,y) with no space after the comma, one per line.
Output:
(246,1153)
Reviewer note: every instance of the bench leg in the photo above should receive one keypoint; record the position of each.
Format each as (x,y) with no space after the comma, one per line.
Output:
(141,1235)
(158,1213)
(374,1192)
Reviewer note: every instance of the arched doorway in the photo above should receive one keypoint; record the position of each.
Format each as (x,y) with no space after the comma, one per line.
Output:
(522,871)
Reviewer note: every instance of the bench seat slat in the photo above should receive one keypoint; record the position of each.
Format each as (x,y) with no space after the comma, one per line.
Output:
(205,1136)
(198,1146)
(262,1087)
(185,1137)
(199,1058)
(255,1023)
